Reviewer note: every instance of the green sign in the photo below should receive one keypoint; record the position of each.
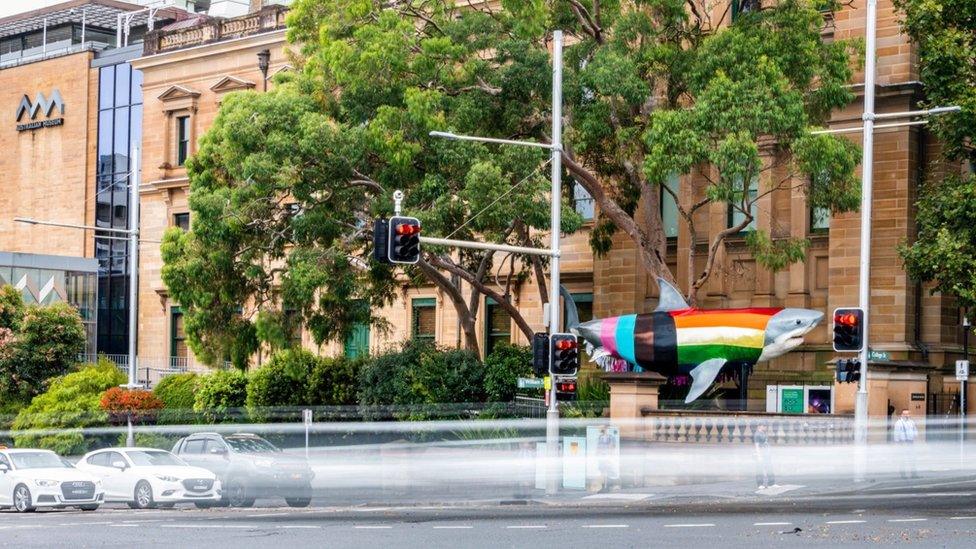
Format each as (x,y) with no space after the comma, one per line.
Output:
(791,401)
(530,383)
(878,355)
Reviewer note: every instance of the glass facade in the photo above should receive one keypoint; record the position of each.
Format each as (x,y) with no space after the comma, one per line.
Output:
(44,279)
(119,128)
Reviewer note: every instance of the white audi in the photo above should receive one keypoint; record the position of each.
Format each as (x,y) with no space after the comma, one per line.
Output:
(40,478)
(147,477)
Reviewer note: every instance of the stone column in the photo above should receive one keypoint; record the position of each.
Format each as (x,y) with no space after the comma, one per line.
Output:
(629,393)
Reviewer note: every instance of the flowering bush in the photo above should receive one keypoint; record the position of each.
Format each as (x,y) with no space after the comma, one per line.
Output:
(143,406)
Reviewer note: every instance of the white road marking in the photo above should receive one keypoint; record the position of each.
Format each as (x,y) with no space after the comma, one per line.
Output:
(301,526)
(701,525)
(772,523)
(124,525)
(962,518)
(453,527)
(527,527)
(265,515)
(202,525)
(372,527)
(606,526)
(846,521)
(908,520)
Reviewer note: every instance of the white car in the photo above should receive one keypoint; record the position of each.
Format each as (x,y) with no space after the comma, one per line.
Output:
(40,478)
(148,477)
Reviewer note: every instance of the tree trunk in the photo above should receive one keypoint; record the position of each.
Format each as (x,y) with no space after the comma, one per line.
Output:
(467,319)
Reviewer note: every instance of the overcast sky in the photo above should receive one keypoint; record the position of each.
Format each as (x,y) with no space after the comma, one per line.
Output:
(10,7)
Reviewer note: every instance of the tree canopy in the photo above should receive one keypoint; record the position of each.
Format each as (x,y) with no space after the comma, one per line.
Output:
(285,183)
(944,251)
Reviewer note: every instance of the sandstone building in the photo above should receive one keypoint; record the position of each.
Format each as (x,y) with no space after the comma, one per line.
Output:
(188,64)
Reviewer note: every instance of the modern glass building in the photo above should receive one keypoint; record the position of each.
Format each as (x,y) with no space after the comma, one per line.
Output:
(119,129)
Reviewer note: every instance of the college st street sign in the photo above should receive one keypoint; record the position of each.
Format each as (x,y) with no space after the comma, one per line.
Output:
(41,105)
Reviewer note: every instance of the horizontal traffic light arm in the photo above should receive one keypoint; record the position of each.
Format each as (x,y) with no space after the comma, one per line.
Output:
(487,246)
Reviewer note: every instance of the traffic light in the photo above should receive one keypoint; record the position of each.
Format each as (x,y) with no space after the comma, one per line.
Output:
(848,370)
(564,353)
(404,240)
(381,239)
(540,354)
(566,389)
(849,330)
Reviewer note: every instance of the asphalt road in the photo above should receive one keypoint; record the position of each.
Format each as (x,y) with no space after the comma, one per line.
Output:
(933,519)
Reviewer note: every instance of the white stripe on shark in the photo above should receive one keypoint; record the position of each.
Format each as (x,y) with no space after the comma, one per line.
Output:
(724,335)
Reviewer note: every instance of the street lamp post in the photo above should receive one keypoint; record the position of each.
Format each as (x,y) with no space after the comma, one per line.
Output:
(554,321)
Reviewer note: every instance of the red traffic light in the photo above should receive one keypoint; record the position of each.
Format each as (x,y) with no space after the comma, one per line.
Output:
(846,319)
(407,230)
(566,386)
(565,344)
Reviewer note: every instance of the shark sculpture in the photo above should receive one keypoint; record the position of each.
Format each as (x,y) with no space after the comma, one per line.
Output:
(678,339)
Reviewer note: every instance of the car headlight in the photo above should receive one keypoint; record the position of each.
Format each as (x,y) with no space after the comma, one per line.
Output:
(167,478)
(47,483)
(264,462)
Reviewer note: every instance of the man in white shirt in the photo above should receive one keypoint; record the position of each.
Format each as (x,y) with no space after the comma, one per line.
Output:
(904,436)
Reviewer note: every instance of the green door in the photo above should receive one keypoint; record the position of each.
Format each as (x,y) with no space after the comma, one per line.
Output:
(357,344)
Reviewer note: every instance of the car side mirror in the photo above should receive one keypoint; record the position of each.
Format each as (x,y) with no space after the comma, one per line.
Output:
(119,465)
(4,467)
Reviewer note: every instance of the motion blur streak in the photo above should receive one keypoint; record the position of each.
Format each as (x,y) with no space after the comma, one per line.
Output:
(363,462)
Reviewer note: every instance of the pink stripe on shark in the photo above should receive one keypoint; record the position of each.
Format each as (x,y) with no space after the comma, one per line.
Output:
(608,334)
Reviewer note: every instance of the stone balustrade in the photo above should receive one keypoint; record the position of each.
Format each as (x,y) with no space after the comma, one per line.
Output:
(209,30)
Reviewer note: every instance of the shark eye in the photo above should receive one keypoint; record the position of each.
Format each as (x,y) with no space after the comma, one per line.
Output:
(798,322)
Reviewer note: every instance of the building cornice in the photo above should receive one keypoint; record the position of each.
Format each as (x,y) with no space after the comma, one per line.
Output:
(206,50)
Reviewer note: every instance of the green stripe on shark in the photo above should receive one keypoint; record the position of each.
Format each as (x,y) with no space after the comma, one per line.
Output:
(696,354)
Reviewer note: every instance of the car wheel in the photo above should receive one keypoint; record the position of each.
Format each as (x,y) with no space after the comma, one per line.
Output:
(143,496)
(238,495)
(22,499)
(298,502)
(89,507)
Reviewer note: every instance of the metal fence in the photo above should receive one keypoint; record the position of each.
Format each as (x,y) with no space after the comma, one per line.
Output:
(150,370)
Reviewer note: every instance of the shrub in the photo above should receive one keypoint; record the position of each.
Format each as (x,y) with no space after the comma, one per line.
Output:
(142,406)
(420,374)
(221,394)
(11,308)
(177,392)
(149,440)
(333,382)
(283,381)
(72,401)
(503,367)
(44,343)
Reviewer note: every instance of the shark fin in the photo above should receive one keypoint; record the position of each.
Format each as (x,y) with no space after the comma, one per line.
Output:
(704,374)
(670,299)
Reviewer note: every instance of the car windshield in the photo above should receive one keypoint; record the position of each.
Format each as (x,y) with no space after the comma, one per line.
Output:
(150,458)
(250,445)
(37,460)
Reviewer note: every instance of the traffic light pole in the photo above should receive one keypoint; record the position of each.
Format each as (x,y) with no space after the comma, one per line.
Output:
(552,414)
(864,285)
(556,149)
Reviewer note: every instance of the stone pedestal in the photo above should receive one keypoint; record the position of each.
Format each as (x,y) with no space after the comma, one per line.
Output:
(629,393)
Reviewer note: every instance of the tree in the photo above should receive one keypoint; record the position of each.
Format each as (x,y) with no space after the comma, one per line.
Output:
(945,34)
(945,247)
(71,402)
(36,343)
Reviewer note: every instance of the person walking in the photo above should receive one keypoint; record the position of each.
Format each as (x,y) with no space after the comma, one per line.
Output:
(904,437)
(764,461)
(604,452)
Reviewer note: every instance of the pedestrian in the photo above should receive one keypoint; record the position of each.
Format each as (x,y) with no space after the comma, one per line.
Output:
(904,436)
(764,461)
(526,470)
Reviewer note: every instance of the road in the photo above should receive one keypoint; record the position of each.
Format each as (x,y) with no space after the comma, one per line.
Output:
(925,516)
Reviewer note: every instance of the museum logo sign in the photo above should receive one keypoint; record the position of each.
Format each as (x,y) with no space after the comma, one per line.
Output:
(41,105)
